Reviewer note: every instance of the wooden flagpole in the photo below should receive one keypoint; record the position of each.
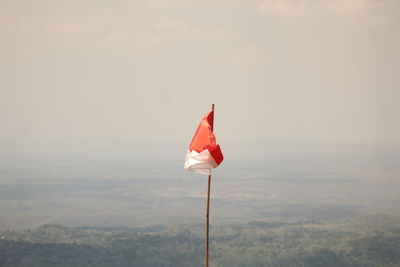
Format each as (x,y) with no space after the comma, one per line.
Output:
(208,206)
(208,217)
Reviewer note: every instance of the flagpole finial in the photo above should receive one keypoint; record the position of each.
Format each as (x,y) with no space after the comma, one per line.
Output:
(212,107)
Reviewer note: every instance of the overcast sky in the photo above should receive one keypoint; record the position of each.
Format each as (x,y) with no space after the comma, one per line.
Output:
(109,73)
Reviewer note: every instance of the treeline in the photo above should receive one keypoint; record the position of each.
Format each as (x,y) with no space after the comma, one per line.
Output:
(366,241)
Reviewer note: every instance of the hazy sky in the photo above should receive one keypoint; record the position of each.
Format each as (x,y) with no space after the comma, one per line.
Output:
(105,73)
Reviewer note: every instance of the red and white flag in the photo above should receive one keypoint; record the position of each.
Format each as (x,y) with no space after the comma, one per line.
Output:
(204,153)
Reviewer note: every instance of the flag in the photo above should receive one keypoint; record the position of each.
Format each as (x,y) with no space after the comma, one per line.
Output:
(203,153)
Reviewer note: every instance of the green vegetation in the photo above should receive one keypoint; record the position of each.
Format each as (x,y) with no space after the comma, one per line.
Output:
(372,240)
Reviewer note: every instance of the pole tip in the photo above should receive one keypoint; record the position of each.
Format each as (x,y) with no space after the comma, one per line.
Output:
(212,107)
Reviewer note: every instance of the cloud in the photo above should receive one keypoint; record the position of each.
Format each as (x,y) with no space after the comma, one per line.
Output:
(75,25)
(348,6)
(306,7)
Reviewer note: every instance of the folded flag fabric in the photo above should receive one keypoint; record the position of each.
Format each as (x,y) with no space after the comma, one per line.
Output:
(204,153)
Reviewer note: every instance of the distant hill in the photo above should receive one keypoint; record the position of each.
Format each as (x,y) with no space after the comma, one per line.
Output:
(372,240)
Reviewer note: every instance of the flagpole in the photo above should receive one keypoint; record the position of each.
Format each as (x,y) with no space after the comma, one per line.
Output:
(208,217)
(208,206)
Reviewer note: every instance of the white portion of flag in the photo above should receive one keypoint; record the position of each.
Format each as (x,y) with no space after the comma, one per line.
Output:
(200,162)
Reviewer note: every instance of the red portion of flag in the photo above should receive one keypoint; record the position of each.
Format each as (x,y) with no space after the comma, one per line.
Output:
(204,138)
(216,153)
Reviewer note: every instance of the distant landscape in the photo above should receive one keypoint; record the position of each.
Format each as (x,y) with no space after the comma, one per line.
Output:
(291,206)
(372,240)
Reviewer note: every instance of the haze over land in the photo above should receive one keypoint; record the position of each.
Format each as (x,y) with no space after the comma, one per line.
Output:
(284,183)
